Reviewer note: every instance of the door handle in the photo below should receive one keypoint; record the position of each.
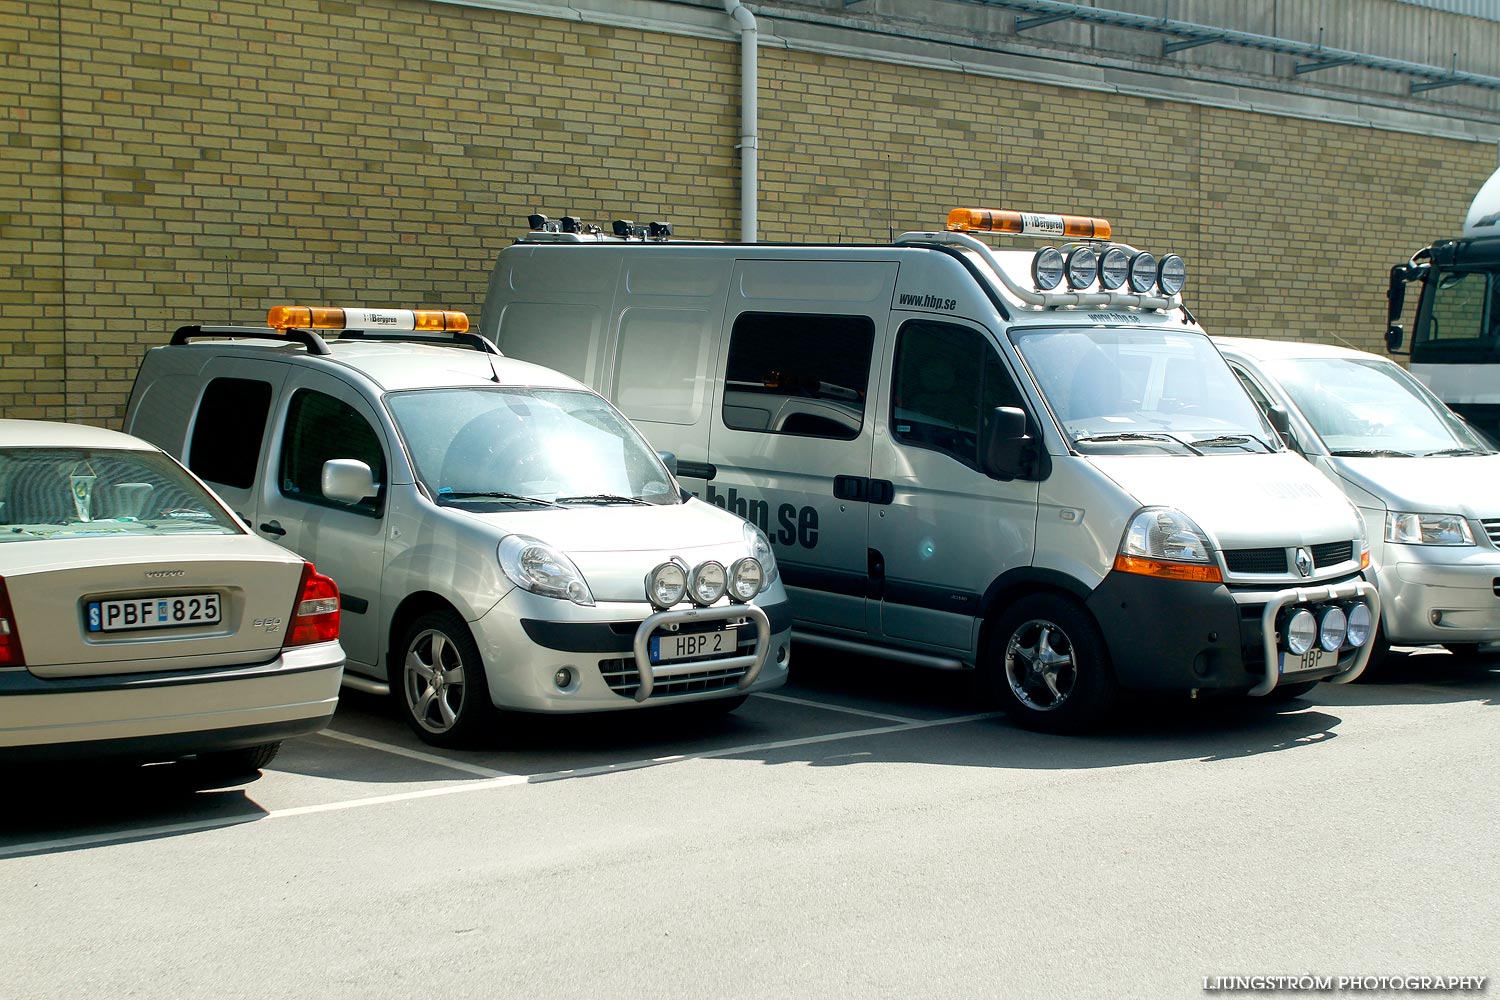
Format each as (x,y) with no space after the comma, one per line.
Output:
(273,528)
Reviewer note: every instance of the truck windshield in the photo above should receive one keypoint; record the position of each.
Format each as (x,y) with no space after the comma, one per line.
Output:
(1459,318)
(1373,408)
(514,448)
(1136,391)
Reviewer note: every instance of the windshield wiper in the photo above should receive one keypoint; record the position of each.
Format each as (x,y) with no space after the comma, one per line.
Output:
(1225,440)
(602,498)
(1372,453)
(1136,436)
(489,495)
(1454,451)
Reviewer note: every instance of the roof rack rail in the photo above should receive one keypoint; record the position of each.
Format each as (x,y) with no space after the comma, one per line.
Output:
(314,343)
(474,340)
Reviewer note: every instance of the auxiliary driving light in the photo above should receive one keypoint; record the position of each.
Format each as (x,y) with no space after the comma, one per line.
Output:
(1358,629)
(1171,274)
(1333,625)
(708,582)
(1301,632)
(1114,265)
(1082,267)
(1047,268)
(746,578)
(1142,272)
(666,585)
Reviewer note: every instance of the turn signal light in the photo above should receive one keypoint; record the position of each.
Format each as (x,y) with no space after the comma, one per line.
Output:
(315,616)
(1195,572)
(401,320)
(10,634)
(993,220)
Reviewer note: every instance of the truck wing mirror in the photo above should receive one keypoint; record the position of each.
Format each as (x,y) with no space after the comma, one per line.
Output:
(1003,444)
(669,459)
(1394,334)
(348,480)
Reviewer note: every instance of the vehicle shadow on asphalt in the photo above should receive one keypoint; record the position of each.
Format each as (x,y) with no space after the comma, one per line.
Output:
(1418,677)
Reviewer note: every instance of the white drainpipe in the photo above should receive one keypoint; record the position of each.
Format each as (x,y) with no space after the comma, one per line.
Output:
(749,116)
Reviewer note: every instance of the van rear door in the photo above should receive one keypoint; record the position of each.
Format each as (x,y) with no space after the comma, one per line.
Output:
(228,434)
(793,438)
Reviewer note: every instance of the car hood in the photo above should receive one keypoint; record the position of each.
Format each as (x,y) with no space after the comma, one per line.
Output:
(1242,501)
(615,547)
(1459,484)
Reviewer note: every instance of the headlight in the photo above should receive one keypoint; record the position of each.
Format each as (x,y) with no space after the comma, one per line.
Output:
(1164,542)
(1301,632)
(746,579)
(534,565)
(707,583)
(760,548)
(666,585)
(1428,529)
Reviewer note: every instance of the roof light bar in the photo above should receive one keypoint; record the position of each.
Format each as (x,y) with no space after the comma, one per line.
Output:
(401,320)
(988,220)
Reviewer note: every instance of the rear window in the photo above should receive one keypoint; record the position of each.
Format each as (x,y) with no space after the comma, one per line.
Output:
(77,492)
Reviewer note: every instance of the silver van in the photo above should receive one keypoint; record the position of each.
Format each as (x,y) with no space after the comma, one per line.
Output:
(1427,484)
(1034,463)
(501,536)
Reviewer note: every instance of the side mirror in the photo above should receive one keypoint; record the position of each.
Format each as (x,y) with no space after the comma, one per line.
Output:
(1003,443)
(1280,418)
(669,459)
(348,481)
(1394,334)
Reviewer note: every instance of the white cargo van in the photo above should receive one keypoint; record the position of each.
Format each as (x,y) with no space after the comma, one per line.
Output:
(500,535)
(1032,463)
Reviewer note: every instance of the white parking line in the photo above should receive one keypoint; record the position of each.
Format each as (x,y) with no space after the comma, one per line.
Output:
(498,781)
(427,758)
(833,708)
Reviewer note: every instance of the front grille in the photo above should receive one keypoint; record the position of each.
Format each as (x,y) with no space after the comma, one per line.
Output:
(624,679)
(1492,528)
(1332,553)
(1255,560)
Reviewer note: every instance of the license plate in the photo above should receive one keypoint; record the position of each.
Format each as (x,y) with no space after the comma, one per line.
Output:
(1314,659)
(691,645)
(154,612)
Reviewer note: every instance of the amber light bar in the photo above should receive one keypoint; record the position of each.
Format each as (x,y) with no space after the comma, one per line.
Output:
(995,220)
(401,320)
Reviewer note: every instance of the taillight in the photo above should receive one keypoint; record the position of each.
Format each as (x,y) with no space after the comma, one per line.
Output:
(315,616)
(10,633)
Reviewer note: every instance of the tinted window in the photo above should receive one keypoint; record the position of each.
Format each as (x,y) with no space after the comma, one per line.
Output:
(947,381)
(797,374)
(227,434)
(320,428)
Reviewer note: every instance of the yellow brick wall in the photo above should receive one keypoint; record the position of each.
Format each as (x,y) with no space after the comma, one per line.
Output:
(200,160)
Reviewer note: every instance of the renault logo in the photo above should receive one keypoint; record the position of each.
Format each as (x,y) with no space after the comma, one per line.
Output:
(1304,562)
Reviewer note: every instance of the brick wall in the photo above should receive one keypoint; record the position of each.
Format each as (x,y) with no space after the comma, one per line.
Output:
(200,160)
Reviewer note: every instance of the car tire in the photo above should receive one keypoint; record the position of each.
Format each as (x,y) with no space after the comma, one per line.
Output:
(437,678)
(1288,692)
(1380,653)
(1048,665)
(242,761)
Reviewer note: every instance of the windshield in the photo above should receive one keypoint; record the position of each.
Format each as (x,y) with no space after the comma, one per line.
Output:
(490,449)
(86,492)
(1143,392)
(1372,407)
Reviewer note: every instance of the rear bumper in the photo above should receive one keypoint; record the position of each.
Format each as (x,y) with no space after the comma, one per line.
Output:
(165,715)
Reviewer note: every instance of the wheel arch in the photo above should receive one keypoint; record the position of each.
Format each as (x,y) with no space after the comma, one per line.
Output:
(1024,581)
(412,607)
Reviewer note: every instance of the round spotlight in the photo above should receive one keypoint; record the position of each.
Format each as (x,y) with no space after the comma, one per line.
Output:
(666,585)
(563,678)
(1047,268)
(1142,272)
(707,583)
(1082,266)
(1301,632)
(1333,624)
(1171,274)
(1359,625)
(745,579)
(1114,265)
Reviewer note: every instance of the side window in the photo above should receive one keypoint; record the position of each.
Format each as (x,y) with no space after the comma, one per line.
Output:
(790,373)
(227,432)
(320,428)
(947,381)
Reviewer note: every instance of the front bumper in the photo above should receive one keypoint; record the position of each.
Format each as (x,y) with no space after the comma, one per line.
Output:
(527,640)
(1176,636)
(160,716)
(1432,599)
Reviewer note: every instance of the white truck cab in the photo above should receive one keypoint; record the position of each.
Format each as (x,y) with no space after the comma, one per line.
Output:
(1032,463)
(501,536)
